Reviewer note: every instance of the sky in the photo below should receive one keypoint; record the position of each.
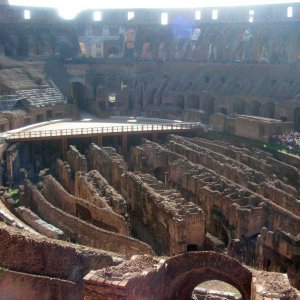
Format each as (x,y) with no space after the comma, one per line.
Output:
(70,8)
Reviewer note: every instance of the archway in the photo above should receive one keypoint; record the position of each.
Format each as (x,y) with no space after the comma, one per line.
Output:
(239,107)
(113,52)
(180,101)
(64,49)
(186,271)
(78,93)
(254,108)
(193,102)
(269,110)
(209,104)
(216,288)
(297,118)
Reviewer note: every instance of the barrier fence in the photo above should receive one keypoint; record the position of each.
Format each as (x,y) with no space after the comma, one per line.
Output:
(101,130)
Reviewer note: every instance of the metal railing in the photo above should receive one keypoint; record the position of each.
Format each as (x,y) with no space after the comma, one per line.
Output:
(101,130)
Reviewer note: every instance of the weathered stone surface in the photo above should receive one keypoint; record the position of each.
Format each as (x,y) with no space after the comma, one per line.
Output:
(82,231)
(102,217)
(172,224)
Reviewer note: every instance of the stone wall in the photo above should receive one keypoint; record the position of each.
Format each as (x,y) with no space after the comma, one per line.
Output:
(76,160)
(279,251)
(102,216)
(81,231)
(64,175)
(25,253)
(276,191)
(38,224)
(146,277)
(172,278)
(110,164)
(93,187)
(174,224)
(18,286)
(231,212)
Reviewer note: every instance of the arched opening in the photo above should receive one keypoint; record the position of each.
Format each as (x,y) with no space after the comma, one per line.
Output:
(223,110)
(219,226)
(269,110)
(180,101)
(192,247)
(78,94)
(193,102)
(209,105)
(159,174)
(215,289)
(254,108)
(113,52)
(239,107)
(297,119)
(186,271)
(112,99)
(65,50)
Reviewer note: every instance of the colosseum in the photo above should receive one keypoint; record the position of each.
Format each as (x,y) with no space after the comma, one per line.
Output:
(150,154)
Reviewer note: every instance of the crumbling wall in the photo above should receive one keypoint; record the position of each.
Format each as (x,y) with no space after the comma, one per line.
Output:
(81,231)
(23,252)
(173,223)
(76,160)
(108,162)
(64,175)
(17,286)
(279,251)
(38,224)
(232,213)
(102,216)
(93,187)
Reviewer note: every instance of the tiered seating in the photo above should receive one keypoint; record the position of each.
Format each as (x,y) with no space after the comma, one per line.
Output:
(46,95)
(7,102)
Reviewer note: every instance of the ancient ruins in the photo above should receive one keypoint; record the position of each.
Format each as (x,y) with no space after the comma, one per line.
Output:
(148,160)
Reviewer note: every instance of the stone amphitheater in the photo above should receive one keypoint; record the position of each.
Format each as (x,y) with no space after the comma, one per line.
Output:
(144,168)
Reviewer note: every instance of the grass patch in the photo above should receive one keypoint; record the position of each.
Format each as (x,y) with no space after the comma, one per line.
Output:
(14,194)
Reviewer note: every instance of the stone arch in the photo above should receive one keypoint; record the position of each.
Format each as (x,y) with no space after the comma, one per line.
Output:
(78,93)
(64,49)
(254,108)
(239,106)
(113,52)
(179,100)
(209,104)
(297,118)
(269,110)
(193,102)
(184,272)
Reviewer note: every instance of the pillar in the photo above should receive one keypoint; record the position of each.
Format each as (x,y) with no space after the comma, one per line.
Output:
(64,148)
(124,143)
(98,140)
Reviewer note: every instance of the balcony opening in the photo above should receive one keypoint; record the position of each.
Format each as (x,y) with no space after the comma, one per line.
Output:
(214,14)
(198,15)
(164,18)
(130,15)
(27,14)
(289,12)
(251,15)
(97,16)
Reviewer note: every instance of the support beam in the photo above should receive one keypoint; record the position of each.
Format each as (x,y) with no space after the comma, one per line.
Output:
(124,143)
(98,140)
(64,148)
(154,136)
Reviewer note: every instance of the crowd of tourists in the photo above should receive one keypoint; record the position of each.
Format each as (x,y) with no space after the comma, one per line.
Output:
(289,140)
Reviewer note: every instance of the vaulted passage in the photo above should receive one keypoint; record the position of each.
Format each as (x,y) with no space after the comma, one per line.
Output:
(186,271)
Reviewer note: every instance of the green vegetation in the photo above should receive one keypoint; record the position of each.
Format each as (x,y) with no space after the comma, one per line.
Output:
(14,193)
(2,270)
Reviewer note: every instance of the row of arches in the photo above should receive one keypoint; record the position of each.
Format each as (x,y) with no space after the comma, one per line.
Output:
(38,41)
